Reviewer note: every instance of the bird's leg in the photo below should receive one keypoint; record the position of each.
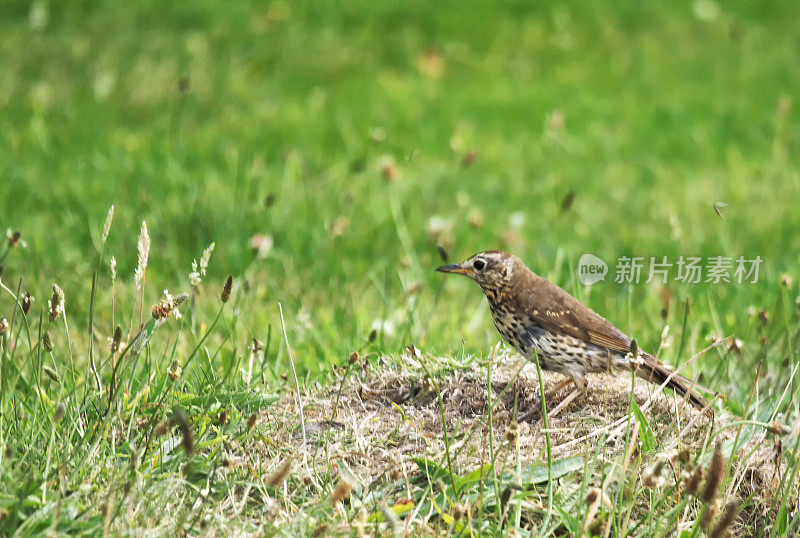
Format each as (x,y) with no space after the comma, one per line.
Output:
(552,395)
(566,383)
(580,388)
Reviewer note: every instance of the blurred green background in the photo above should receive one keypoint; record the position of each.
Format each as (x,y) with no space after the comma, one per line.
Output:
(361,136)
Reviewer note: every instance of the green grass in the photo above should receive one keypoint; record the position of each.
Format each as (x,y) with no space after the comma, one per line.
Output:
(216,122)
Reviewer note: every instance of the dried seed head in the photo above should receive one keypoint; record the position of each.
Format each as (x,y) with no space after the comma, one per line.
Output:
(180,420)
(715,474)
(112,263)
(116,341)
(342,491)
(735,345)
(251,421)
(56,304)
(14,239)
(634,348)
(728,516)
(47,343)
(394,474)
(58,413)
(653,479)
(459,511)
(51,373)
(787,280)
(226,290)
(512,433)
(161,428)
(763,316)
(684,455)
(354,356)
(5,328)
(168,306)
(692,482)
(174,371)
(280,473)
(27,302)
(778,428)
(222,418)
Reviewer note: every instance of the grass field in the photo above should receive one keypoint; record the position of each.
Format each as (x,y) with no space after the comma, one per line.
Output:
(334,155)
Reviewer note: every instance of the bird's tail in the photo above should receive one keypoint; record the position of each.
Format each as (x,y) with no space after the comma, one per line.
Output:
(654,371)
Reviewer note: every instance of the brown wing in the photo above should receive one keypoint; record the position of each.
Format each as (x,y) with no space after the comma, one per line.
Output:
(558,311)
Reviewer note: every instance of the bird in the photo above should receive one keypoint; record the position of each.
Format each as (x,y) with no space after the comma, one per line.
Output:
(535,316)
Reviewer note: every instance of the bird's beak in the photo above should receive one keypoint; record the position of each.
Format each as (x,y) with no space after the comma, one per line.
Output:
(454,268)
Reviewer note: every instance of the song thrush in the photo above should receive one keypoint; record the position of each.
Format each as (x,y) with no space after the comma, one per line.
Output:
(533,314)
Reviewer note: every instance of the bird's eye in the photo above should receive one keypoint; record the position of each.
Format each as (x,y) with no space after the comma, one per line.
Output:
(479,265)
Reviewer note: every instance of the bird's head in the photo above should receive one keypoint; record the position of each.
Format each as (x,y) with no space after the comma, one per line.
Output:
(491,269)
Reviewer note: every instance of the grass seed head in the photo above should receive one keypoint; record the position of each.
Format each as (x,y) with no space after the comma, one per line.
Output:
(161,428)
(653,479)
(107,225)
(27,302)
(226,290)
(512,433)
(692,482)
(14,239)
(58,413)
(56,304)
(187,441)
(343,490)
(174,371)
(5,328)
(735,345)
(116,341)
(47,343)
(280,473)
(725,521)
(778,428)
(251,421)
(168,306)
(714,476)
(143,249)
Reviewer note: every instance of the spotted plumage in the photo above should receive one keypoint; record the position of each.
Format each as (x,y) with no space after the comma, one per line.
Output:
(536,316)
